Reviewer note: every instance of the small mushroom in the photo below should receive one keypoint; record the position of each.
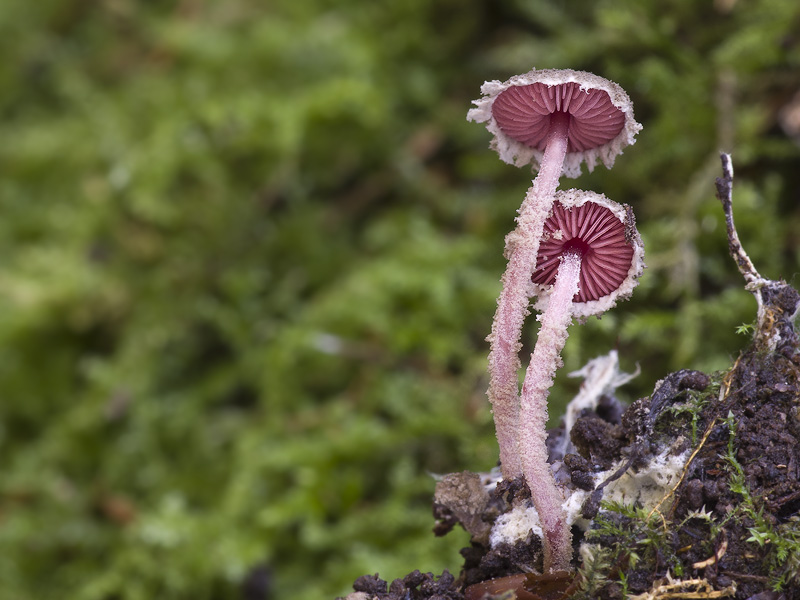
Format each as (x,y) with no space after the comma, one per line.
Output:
(603,234)
(553,119)
(590,256)
(589,115)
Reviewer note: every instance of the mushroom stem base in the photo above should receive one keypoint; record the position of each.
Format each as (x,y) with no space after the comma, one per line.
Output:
(545,361)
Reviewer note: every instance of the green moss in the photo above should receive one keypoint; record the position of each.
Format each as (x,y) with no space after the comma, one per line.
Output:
(687,415)
(250,256)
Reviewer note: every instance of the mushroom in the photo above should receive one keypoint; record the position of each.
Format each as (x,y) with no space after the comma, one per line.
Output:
(590,256)
(554,119)
(523,112)
(603,234)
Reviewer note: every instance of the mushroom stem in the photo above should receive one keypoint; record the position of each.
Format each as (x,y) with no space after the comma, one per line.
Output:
(537,204)
(555,150)
(522,248)
(504,363)
(545,360)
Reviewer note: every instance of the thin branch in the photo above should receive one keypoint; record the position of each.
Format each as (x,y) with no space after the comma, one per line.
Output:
(777,301)
(725,194)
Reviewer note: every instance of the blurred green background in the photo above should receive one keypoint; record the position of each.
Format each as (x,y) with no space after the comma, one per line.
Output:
(251,250)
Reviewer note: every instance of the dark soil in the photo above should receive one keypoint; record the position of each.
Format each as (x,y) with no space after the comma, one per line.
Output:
(414,586)
(750,419)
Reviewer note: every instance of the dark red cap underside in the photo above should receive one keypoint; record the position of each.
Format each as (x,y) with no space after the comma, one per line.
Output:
(523,113)
(594,232)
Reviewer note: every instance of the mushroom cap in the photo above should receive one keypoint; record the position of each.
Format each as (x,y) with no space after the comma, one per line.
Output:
(517,112)
(612,252)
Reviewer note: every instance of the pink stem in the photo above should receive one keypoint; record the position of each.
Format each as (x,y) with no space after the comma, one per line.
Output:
(522,248)
(545,360)
(555,150)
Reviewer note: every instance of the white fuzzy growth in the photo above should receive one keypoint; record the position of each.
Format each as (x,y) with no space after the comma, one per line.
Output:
(572,508)
(518,154)
(647,488)
(514,526)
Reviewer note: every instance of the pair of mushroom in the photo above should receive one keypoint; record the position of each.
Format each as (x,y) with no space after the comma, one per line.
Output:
(576,251)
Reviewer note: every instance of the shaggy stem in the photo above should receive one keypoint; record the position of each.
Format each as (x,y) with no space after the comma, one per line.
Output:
(545,360)
(522,248)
